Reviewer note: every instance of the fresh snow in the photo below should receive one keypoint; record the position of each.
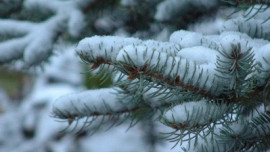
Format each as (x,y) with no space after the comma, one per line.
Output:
(188,58)
(186,38)
(187,51)
(88,102)
(36,40)
(188,113)
(106,47)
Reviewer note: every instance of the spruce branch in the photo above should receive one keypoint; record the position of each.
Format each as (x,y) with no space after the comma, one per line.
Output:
(250,135)
(249,2)
(160,79)
(28,47)
(209,87)
(32,43)
(254,22)
(118,108)
(174,9)
(182,116)
(72,106)
(227,77)
(171,57)
(235,67)
(196,119)
(102,49)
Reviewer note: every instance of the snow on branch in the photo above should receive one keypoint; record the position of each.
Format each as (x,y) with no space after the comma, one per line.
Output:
(88,103)
(255,28)
(109,103)
(35,46)
(33,42)
(195,114)
(186,38)
(250,2)
(176,70)
(248,134)
(189,61)
(194,81)
(254,22)
(196,121)
(71,10)
(169,9)
(102,49)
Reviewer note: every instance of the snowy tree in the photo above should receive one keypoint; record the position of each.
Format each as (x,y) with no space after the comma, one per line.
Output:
(197,71)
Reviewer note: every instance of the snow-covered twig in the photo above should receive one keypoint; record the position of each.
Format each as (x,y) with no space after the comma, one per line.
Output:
(35,41)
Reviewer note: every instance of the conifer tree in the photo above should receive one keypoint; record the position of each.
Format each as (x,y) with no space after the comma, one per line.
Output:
(212,89)
(206,78)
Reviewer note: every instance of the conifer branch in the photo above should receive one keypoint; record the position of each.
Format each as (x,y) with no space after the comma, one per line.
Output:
(264,2)
(136,72)
(32,43)
(227,73)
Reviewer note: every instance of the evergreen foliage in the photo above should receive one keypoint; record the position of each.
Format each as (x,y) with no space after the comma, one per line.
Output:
(199,97)
(209,85)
